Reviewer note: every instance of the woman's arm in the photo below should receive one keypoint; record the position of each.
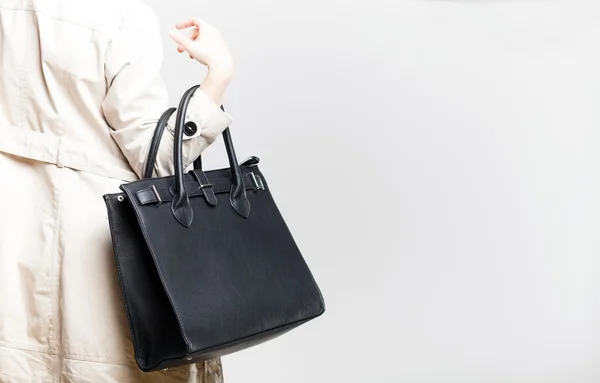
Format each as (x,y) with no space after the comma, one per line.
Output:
(216,82)
(136,94)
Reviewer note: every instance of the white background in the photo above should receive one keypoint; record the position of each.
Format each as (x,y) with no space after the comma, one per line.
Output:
(437,164)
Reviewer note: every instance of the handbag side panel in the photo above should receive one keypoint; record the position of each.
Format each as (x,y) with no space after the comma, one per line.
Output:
(152,323)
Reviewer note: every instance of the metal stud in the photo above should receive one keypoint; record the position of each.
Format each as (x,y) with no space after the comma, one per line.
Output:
(120,198)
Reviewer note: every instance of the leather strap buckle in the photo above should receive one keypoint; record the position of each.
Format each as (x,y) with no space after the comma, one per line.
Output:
(157,195)
(205,186)
(257,180)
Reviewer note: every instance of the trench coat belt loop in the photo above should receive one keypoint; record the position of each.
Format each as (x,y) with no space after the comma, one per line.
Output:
(59,153)
(63,151)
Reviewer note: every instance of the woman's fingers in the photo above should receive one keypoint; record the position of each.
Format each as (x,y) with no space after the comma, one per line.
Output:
(194,35)
(193,22)
(203,42)
(183,40)
(184,24)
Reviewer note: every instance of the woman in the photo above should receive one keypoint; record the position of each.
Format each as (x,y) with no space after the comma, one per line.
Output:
(80,93)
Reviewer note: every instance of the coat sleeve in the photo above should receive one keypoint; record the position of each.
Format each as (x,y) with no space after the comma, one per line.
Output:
(136,97)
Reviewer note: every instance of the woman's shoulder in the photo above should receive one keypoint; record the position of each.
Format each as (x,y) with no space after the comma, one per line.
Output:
(103,16)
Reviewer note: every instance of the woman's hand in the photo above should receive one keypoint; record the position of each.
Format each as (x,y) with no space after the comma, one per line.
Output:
(207,46)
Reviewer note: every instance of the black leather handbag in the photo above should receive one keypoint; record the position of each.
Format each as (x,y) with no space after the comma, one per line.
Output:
(207,264)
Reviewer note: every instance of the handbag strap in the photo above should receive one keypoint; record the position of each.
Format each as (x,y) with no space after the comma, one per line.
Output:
(181,207)
(198,161)
(155,143)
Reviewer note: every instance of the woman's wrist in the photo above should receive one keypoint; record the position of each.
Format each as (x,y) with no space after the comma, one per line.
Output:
(221,72)
(216,82)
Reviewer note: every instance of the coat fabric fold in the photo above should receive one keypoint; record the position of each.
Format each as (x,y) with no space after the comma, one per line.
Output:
(80,94)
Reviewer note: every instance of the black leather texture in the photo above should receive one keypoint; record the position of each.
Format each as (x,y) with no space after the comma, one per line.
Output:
(206,262)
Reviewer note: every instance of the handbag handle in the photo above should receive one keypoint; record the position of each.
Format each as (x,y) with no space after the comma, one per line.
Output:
(155,143)
(198,161)
(181,207)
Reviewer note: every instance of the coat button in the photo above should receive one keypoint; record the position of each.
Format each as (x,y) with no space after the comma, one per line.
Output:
(190,128)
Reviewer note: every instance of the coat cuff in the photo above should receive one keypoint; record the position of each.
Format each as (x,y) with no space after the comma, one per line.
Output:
(210,122)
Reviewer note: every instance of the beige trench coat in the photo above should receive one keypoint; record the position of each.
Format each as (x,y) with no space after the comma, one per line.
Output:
(80,93)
